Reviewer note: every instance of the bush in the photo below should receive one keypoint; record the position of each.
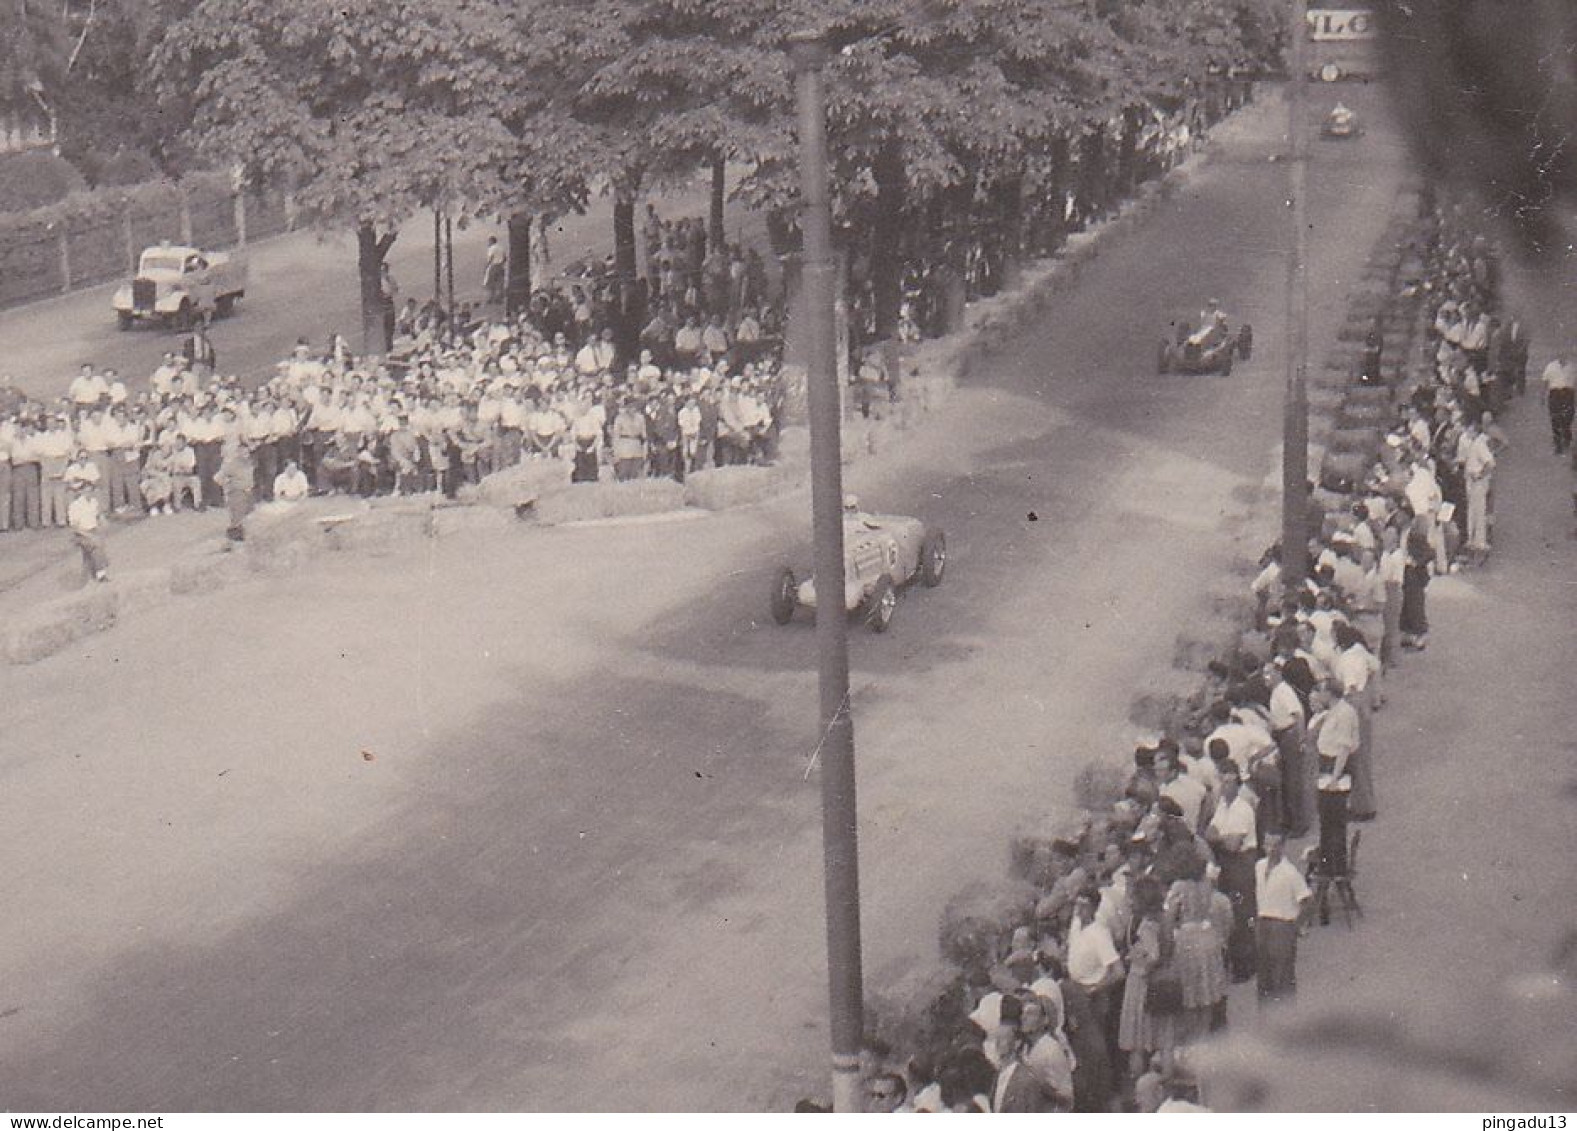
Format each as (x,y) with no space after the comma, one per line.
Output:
(35,179)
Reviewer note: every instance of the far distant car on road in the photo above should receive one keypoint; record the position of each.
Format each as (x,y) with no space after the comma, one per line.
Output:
(177,285)
(1340,124)
(881,555)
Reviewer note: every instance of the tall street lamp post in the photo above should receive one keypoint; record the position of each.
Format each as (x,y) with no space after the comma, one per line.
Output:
(839,828)
(1295,414)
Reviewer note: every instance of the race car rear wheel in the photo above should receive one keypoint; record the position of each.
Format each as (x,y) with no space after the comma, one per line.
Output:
(1163,359)
(933,559)
(880,606)
(785,596)
(1246,341)
(124,320)
(1226,362)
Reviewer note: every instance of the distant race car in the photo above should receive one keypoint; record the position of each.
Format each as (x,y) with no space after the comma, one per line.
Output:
(881,555)
(1341,123)
(1208,350)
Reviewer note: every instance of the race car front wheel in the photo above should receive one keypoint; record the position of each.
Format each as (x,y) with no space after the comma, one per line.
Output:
(1246,342)
(880,606)
(933,559)
(785,595)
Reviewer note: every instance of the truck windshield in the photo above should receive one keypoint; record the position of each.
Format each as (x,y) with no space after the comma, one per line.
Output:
(170,263)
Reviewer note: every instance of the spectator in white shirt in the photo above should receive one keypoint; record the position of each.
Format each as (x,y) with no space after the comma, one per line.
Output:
(1281,897)
(1232,834)
(83,516)
(290,485)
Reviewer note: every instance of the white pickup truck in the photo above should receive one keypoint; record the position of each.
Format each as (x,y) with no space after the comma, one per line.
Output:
(177,285)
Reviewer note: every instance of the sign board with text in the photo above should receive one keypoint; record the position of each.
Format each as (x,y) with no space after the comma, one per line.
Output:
(1335,24)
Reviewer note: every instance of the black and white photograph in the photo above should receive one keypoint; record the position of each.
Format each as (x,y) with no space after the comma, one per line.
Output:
(787,556)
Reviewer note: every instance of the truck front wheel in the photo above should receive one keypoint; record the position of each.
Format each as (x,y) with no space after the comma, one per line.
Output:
(123,320)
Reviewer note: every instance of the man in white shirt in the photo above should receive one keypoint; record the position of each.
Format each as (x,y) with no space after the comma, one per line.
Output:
(83,517)
(1281,897)
(1288,721)
(1560,377)
(53,448)
(1393,567)
(1478,466)
(290,485)
(1093,961)
(1187,791)
(1232,834)
(87,388)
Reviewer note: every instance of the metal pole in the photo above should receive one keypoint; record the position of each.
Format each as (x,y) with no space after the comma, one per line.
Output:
(839,823)
(438,258)
(449,267)
(1295,415)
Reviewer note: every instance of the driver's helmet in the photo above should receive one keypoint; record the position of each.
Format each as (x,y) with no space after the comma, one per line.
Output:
(851,504)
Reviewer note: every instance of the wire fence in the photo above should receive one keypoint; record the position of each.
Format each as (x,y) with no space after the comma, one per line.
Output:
(98,238)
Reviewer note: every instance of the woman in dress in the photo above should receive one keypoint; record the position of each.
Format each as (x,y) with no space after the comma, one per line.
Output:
(1198,950)
(1139,1031)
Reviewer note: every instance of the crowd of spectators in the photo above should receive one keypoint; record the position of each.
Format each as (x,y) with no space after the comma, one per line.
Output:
(1234,833)
(460,395)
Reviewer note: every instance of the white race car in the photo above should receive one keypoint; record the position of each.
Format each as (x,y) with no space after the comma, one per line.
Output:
(881,555)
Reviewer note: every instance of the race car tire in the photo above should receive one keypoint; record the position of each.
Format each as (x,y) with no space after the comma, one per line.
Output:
(1245,343)
(880,606)
(123,320)
(1163,359)
(933,559)
(224,306)
(1226,363)
(785,596)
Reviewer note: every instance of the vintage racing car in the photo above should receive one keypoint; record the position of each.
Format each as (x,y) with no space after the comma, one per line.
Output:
(882,553)
(1340,123)
(1210,349)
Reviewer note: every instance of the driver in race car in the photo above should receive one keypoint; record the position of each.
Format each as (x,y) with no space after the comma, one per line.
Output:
(853,516)
(1340,115)
(1212,330)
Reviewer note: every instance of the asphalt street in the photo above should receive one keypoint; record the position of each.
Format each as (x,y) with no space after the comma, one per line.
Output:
(527,820)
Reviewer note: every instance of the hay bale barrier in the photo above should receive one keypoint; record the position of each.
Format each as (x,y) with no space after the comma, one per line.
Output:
(582,502)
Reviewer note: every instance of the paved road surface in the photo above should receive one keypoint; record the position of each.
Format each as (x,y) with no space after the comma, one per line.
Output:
(523,820)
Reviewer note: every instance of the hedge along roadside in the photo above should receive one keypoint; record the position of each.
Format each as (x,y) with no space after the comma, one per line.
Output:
(94,236)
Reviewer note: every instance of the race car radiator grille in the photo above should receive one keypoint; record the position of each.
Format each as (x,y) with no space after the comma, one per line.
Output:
(143,292)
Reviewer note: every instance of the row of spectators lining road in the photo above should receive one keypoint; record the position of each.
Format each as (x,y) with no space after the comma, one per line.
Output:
(458,398)
(1087,983)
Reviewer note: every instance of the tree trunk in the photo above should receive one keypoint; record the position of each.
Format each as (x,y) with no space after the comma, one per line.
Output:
(886,241)
(632,307)
(376,308)
(1057,195)
(1092,161)
(715,235)
(781,233)
(1010,193)
(517,283)
(1127,150)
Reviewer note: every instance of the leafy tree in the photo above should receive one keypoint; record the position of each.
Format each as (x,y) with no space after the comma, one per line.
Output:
(368,110)
(649,91)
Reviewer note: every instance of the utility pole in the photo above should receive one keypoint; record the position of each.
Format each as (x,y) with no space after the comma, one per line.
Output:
(839,820)
(1295,413)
